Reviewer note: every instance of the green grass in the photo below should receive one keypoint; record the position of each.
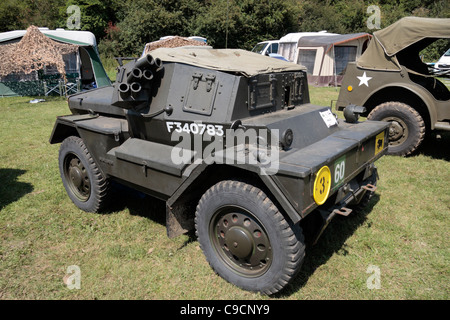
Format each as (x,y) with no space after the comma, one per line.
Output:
(125,253)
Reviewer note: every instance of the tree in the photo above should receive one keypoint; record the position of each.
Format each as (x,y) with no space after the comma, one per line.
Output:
(95,14)
(11,15)
(241,24)
(148,20)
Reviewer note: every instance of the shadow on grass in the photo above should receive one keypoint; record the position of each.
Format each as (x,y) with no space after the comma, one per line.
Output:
(142,205)
(138,203)
(436,146)
(331,242)
(12,190)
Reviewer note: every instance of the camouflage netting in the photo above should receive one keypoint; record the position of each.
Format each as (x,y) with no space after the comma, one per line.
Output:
(34,52)
(173,42)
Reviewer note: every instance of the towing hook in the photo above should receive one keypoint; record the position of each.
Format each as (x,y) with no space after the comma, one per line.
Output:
(342,211)
(369,187)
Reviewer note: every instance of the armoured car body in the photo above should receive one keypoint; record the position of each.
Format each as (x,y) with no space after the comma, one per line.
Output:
(230,141)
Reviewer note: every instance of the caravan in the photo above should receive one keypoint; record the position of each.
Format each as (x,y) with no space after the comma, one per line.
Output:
(325,55)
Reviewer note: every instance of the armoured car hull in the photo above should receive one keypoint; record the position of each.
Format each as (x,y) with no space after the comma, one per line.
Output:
(236,151)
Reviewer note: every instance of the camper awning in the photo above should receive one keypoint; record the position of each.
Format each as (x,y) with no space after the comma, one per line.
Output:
(24,61)
(386,43)
(80,38)
(329,41)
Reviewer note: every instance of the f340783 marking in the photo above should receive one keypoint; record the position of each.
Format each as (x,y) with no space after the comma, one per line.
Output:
(195,128)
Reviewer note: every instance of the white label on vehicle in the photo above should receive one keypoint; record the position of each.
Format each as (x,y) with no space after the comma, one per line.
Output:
(328,118)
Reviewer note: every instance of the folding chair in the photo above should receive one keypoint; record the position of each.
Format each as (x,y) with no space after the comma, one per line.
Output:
(52,83)
(72,84)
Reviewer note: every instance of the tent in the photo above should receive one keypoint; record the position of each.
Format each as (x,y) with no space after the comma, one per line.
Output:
(325,55)
(39,61)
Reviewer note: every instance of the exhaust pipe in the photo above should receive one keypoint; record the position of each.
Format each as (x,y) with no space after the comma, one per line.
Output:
(147,75)
(124,90)
(148,62)
(158,64)
(135,88)
(145,62)
(134,75)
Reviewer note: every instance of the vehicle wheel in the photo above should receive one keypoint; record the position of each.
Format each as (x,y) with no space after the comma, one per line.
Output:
(246,239)
(84,182)
(407,129)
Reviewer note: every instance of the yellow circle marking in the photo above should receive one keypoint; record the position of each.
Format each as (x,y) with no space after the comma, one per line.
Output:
(350,88)
(322,185)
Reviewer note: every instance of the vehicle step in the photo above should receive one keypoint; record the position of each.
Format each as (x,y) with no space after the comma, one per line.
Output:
(152,155)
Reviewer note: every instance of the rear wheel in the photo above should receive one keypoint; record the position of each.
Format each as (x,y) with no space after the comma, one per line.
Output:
(246,239)
(407,128)
(83,181)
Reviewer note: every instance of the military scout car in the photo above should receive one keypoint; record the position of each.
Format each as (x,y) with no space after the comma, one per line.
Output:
(394,85)
(229,140)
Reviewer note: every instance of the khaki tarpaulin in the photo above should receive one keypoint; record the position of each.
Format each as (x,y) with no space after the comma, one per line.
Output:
(386,43)
(229,60)
(33,52)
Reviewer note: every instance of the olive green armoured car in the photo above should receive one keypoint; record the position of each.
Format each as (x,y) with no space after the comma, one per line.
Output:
(230,141)
(394,85)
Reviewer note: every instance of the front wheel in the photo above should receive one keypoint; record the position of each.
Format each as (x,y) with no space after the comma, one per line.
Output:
(83,181)
(246,239)
(407,128)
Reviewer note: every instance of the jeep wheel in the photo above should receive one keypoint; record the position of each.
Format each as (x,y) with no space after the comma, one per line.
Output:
(246,239)
(407,129)
(83,181)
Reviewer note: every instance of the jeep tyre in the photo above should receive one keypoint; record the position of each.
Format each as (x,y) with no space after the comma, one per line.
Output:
(83,181)
(407,129)
(246,239)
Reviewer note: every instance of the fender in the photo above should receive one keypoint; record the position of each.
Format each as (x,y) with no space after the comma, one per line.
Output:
(415,90)
(64,127)
(355,91)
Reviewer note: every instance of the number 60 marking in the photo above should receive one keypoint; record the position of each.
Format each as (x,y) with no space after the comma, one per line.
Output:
(339,170)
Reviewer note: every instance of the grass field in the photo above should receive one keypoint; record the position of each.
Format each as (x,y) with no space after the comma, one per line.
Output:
(402,237)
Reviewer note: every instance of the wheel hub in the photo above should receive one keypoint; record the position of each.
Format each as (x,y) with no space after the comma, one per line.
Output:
(398,130)
(76,176)
(241,241)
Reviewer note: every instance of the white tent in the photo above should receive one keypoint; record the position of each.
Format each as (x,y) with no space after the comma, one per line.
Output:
(325,55)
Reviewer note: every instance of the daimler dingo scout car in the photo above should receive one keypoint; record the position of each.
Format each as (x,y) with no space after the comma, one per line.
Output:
(394,85)
(232,134)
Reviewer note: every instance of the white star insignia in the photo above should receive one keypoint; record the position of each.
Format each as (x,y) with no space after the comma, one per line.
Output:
(364,80)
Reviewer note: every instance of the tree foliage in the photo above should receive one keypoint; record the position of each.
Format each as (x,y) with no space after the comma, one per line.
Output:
(122,27)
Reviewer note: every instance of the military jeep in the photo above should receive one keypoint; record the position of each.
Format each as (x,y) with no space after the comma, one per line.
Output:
(394,85)
(230,141)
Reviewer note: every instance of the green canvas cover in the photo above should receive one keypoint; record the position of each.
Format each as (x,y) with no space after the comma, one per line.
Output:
(100,74)
(386,43)
(238,61)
